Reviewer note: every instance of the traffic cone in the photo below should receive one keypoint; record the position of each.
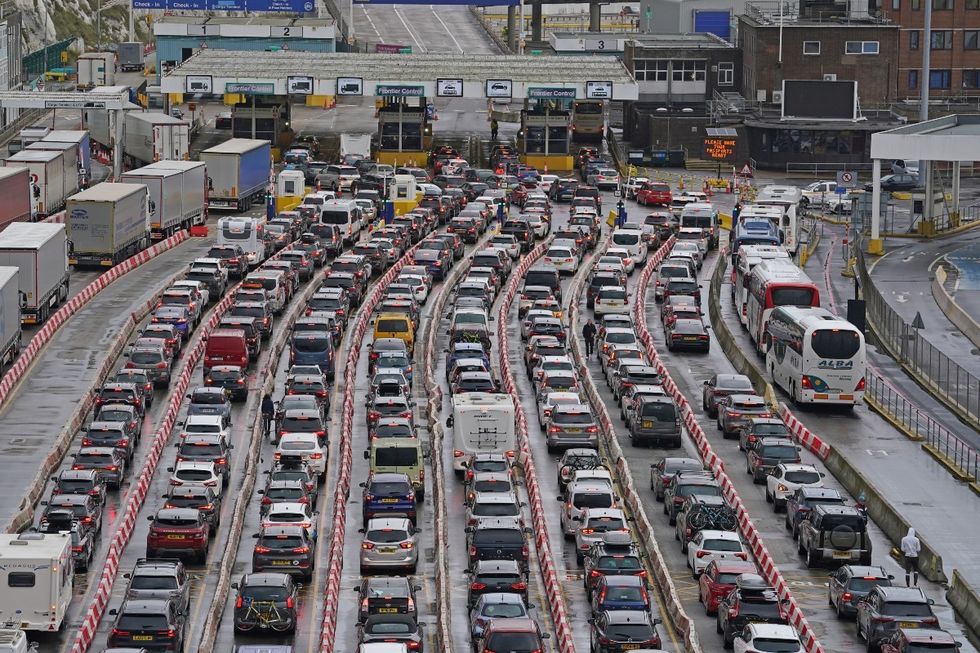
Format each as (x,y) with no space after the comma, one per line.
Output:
(680,184)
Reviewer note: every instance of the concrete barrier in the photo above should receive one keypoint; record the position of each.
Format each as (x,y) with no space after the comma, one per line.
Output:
(964,599)
(947,304)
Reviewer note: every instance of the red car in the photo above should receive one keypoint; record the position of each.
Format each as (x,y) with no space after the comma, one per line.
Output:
(175,531)
(654,193)
(718,580)
(908,640)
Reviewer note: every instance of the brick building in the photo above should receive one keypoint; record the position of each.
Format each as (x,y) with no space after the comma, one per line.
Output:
(955,57)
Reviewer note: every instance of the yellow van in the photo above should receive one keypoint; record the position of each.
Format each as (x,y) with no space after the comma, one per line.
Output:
(396,325)
(399,456)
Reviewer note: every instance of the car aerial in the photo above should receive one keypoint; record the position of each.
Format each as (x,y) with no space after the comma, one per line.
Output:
(389,542)
(617,631)
(386,595)
(495,576)
(178,531)
(851,583)
(109,462)
(288,548)
(801,502)
(786,478)
(141,624)
(709,545)
(718,580)
(265,601)
(164,579)
(886,609)
(767,637)
(751,601)
(495,605)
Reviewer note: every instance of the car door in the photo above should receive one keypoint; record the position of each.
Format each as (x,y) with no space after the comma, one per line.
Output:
(693,547)
(773,480)
(838,581)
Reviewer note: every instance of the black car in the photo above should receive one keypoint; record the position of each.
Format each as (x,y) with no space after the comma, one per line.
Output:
(497,538)
(151,623)
(851,583)
(258,310)
(233,256)
(801,503)
(211,278)
(898,181)
(489,576)
(199,497)
(387,595)
(230,377)
(664,471)
(752,601)
(111,434)
(398,628)
(80,481)
(82,537)
(265,601)
(688,334)
(617,631)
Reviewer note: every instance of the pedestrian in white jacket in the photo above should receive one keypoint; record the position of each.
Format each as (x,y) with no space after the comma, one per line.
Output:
(910,549)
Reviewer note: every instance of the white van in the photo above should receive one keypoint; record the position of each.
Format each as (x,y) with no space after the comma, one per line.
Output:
(632,241)
(37,575)
(347,215)
(248,233)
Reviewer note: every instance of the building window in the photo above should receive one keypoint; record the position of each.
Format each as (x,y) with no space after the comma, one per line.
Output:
(942,4)
(915,4)
(726,74)
(914,40)
(650,70)
(913,79)
(971,39)
(861,47)
(973,4)
(813,47)
(688,70)
(942,39)
(896,5)
(971,79)
(939,79)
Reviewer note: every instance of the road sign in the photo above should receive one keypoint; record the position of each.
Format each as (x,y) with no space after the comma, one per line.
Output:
(847,178)
(719,148)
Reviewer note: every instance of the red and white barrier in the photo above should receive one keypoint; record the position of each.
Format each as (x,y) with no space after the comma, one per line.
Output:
(542,544)
(137,493)
(335,555)
(56,321)
(55,218)
(715,463)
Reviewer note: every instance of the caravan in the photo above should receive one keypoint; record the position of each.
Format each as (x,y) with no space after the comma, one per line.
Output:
(482,422)
(37,572)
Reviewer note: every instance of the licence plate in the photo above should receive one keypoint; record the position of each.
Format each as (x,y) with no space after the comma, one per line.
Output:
(175,537)
(647,424)
(142,638)
(689,339)
(842,555)
(573,430)
(389,501)
(908,624)
(387,549)
(281,563)
(631,647)
(387,610)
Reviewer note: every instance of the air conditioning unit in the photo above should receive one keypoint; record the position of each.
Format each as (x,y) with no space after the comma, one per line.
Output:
(830,77)
(777,97)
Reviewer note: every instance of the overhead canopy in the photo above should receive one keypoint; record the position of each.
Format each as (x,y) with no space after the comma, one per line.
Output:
(103,97)
(427,75)
(950,138)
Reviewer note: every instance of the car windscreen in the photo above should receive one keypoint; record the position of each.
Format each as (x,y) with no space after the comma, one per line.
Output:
(142,622)
(498,536)
(300,425)
(721,545)
(906,609)
(572,419)
(224,375)
(264,593)
(780,451)
(282,542)
(148,582)
(620,337)
(311,344)
(626,238)
(779,430)
(336,217)
(200,449)
(389,489)
(860,584)
(208,398)
(775,645)
(621,562)
(835,343)
(513,642)
(759,607)
(674,272)
(660,411)
(386,535)
(592,500)
(146,357)
(789,296)
(802,477)
(496,509)
(396,457)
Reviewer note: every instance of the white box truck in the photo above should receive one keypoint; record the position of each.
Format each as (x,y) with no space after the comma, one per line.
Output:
(482,422)
(47,178)
(177,194)
(40,251)
(9,314)
(354,147)
(238,173)
(107,224)
(69,161)
(96,69)
(153,137)
(36,573)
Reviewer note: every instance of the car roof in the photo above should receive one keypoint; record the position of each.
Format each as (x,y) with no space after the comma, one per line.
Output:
(265,579)
(927,635)
(810,492)
(389,477)
(627,617)
(866,571)
(778,631)
(487,566)
(144,606)
(393,523)
(901,594)
(178,513)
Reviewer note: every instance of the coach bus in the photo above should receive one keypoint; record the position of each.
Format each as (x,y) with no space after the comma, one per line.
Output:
(748,257)
(815,356)
(588,121)
(773,283)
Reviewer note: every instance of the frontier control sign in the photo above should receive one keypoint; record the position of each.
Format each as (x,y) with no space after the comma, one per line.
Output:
(539,93)
(399,90)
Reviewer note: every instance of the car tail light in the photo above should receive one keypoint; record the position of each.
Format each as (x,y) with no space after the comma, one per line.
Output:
(701,554)
(407,545)
(932,621)
(805,383)
(262,549)
(846,596)
(882,619)
(301,549)
(266,501)
(316,456)
(860,385)
(120,633)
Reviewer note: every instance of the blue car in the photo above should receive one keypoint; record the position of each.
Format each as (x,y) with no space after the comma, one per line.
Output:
(620,593)
(800,503)
(312,348)
(179,316)
(384,494)
(460,350)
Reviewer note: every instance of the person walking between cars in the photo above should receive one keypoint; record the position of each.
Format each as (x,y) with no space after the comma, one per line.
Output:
(588,333)
(493,129)
(268,410)
(910,549)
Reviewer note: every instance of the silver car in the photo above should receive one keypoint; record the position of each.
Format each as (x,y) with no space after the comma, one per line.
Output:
(593,525)
(488,505)
(571,425)
(389,542)
(154,361)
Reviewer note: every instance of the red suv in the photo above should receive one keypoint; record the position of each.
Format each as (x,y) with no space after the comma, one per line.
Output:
(513,634)
(175,531)
(718,580)
(654,193)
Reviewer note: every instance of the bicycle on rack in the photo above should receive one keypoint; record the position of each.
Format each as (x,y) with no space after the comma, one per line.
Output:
(264,615)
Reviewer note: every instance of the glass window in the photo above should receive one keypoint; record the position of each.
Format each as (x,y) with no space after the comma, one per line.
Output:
(916,5)
(896,5)
(942,39)
(913,79)
(811,47)
(971,79)
(942,4)
(20,579)
(940,79)
(687,70)
(726,73)
(914,40)
(861,47)
(973,4)
(971,39)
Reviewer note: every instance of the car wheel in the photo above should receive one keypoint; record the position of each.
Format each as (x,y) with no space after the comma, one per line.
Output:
(768,496)
(810,562)
(719,427)
(787,523)
(778,505)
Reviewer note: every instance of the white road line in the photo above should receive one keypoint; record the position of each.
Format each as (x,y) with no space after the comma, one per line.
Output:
(373,26)
(446,27)
(409,29)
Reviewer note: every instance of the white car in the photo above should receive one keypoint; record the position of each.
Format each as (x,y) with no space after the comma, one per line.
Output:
(553,399)
(786,478)
(529,318)
(307,447)
(419,287)
(552,364)
(507,243)
(624,255)
(688,247)
(539,225)
(709,545)
(564,259)
(610,264)
(632,240)
(767,637)
(489,505)
(196,472)
(291,514)
(199,286)
(611,299)
(206,425)
(546,181)
(213,264)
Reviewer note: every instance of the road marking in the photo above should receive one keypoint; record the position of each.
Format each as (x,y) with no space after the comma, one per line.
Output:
(373,26)
(409,29)
(446,27)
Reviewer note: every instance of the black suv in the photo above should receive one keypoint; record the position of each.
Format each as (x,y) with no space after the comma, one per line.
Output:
(617,631)
(801,503)
(664,471)
(81,481)
(686,484)
(265,602)
(752,601)
(489,576)
(835,534)
(615,555)
(148,623)
(699,513)
(387,595)
(233,256)
(885,609)
(497,538)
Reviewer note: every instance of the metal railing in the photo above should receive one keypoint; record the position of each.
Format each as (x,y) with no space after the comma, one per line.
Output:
(918,422)
(940,375)
(823,168)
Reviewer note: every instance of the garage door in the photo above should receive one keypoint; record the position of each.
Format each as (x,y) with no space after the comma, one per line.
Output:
(715,22)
